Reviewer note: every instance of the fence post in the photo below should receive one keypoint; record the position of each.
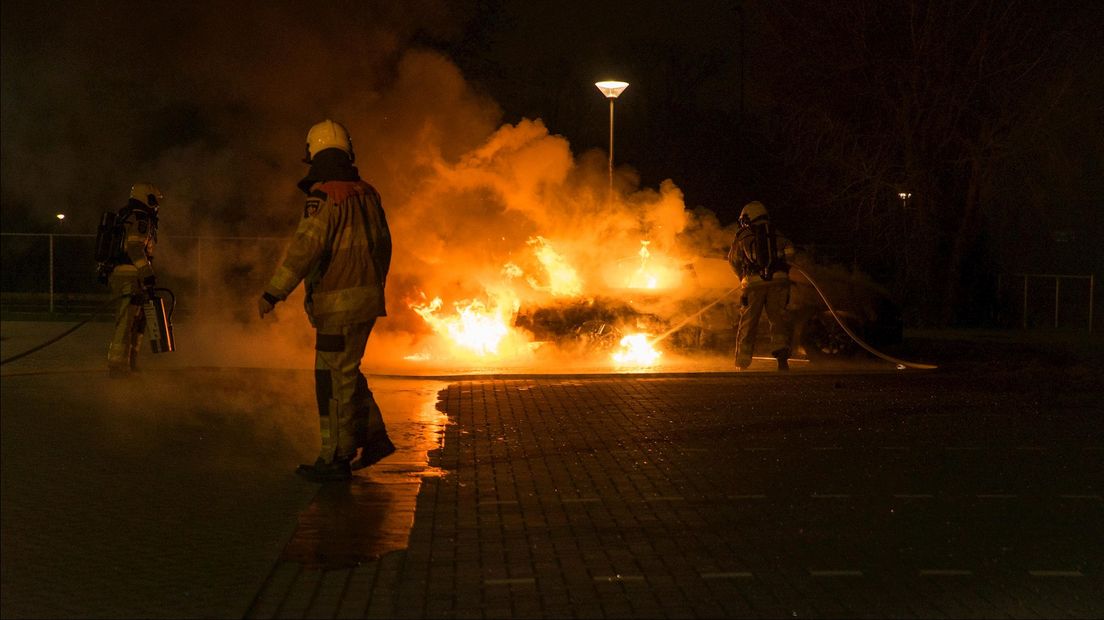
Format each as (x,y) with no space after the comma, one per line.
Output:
(1057,287)
(51,273)
(998,311)
(1025,303)
(199,272)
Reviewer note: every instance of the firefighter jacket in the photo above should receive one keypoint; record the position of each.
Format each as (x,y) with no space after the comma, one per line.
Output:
(759,254)
(139,239)
(342,253)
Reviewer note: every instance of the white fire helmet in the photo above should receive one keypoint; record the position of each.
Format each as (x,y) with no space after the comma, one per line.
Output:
(328,135)
(752,212)
(147,194)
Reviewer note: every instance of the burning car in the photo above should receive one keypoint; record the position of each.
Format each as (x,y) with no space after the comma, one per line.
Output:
(705,320)
(642,306)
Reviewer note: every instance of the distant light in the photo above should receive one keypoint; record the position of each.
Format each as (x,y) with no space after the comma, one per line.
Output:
(611,89)
(60,216)
(904,195)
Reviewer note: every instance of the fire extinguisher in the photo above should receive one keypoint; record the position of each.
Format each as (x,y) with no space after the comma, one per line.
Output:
(160,322)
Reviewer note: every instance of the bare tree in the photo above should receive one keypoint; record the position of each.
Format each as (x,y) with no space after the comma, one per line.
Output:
(876,98)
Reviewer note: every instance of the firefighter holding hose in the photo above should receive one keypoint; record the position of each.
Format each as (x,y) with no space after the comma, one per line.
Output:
(342,253)
(761,257)
(128,268)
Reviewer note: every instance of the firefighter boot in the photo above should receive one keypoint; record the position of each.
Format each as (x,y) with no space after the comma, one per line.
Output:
(322,471)
(783,357)
(374,450)
(743,357)
(371,435)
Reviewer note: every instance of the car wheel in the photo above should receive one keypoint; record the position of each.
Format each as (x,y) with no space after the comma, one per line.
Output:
(824,337)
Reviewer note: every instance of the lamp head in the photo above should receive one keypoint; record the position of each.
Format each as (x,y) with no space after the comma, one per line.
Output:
(611,89)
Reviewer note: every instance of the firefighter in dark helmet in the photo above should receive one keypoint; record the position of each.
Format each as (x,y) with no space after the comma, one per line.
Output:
(761,257)
(129,272)
(342,253)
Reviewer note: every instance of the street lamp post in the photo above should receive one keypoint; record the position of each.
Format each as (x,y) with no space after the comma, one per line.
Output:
(904,196)
(611,89)
(61,220)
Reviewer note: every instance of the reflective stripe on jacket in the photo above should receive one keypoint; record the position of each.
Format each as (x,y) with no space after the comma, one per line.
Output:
(342,253)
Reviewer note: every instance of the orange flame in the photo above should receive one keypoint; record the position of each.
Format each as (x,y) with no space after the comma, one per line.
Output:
(563,280)
(474,328)
(636,350)
(642,278)
(483,328)
(656,271)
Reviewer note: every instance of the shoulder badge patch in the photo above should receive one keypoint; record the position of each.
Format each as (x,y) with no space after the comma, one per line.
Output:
(312,207)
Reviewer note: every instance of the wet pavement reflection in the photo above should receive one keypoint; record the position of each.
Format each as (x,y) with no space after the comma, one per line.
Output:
(349,523)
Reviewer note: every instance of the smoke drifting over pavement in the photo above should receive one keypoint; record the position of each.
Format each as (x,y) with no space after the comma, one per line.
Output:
(213,105)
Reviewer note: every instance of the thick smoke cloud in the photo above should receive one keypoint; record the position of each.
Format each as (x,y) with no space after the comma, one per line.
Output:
(213,105)
(211,102)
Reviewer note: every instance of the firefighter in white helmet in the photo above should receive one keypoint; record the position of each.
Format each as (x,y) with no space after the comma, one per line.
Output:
(129,272)
(342,253)
(761,257)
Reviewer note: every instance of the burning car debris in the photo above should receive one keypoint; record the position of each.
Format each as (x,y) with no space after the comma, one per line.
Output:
(705,323)
(690,311)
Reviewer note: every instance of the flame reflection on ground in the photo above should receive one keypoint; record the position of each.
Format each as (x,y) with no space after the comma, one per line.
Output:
(348,523)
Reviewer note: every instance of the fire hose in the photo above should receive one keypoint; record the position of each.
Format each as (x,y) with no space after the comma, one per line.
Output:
(74,328)
(854,337)
(835,316)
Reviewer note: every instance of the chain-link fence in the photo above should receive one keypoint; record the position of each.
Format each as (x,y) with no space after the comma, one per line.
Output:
(1045,300)
(55,273)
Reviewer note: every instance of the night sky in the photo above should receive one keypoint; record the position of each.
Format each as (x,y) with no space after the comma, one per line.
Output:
(989,113)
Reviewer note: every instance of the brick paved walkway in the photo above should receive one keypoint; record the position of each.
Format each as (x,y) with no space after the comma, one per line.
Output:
(892,495)
(974,491)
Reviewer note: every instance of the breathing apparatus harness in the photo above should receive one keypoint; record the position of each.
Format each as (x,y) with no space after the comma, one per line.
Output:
(154,310)
(110,249)
(759,248)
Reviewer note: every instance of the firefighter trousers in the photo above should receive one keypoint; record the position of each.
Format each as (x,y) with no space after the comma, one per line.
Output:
(130,320)
(348,415)
(772,297)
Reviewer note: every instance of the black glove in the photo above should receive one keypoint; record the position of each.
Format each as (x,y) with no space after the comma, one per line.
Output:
(266,303)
